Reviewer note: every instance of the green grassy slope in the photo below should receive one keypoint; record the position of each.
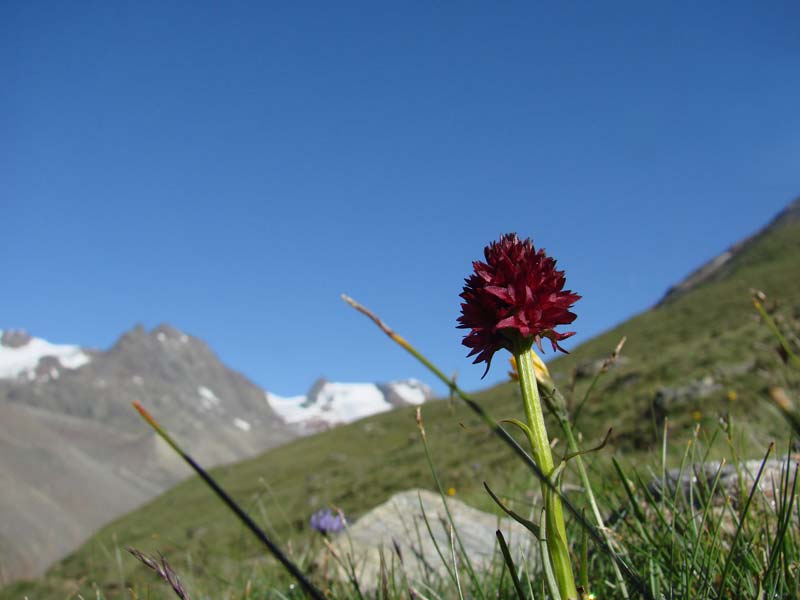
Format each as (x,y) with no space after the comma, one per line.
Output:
(710,330)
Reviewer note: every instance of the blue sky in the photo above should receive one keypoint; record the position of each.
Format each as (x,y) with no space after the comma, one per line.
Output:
(231,169)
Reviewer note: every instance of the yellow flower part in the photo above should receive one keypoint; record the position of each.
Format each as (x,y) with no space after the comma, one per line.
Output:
(539,369)
(732,395)
(697,415)
(451,491)
(512,374)
(542,374)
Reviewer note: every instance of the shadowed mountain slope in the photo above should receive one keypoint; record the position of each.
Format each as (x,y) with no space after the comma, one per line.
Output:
(73,454)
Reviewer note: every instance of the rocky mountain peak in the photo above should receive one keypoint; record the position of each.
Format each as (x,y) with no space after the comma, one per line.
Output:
(166,332)
(142,345)
(134,336)
(316,389)
(14,338)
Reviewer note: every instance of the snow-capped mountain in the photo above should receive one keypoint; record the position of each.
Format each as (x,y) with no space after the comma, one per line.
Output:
(67,426)
(21,354)
(330,403)
(220,413)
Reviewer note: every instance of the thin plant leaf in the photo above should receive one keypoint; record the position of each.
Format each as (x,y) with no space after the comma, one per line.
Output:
(510,564)
(777,544)
(467,561)
(724,578)
(445,562)
(584,566)
(455,562)
(549,576)
(597,448)
(347,565)
(309,587)
(607,363)
(384,577)
(522,426)
(757,303)
(526,523)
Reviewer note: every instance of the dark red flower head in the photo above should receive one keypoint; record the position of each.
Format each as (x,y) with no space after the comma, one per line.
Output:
(516,297)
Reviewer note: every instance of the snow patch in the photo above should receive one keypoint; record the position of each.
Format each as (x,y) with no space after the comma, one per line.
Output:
(161,336)
(241,424)
(411,391)
(22,361)
(208,397)
(348,402)
(332,404)
(289,409)
(329,404)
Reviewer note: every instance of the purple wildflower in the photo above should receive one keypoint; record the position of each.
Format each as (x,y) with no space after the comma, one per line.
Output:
(327,521)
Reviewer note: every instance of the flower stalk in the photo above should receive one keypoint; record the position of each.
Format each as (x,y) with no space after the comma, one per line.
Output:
(556,535)
(512,300)
(602,542)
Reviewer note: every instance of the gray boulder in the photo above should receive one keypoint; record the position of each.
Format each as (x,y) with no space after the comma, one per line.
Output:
(733,479)
(397,528)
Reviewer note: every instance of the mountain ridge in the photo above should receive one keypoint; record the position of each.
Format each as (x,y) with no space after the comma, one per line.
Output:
(713,268)
(74,405)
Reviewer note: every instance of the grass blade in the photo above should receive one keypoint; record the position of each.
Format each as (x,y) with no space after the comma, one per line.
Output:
(729,560)
(510,564)
(309,587)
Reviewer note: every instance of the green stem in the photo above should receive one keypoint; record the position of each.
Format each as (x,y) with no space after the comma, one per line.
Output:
(558,403)
(557,546)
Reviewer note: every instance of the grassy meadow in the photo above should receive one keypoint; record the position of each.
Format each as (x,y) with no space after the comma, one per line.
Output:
(678,547)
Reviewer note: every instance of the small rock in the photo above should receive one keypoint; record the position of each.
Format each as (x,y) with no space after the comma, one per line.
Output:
(399,523)
(735,369)
(667,398)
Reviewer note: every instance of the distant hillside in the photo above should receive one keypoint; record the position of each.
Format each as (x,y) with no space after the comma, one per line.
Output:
(74,455)
(720,265)
(699,354)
